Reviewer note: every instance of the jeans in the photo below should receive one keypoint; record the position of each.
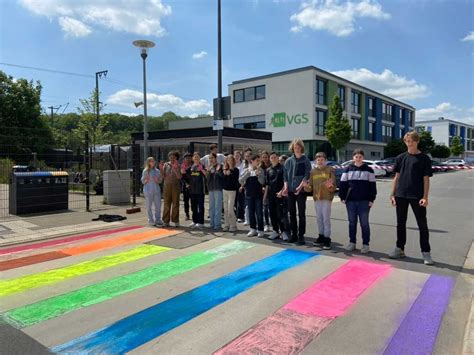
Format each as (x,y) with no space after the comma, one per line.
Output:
(420,216)
(240,205)
(297,230)
(358,209)
(215,208)
(266,213)
(197,206)
(323,217)
(153,198)
(254,205)
(278,214)
(229,214)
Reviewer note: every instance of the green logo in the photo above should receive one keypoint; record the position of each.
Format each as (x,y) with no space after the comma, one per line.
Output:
(281,118)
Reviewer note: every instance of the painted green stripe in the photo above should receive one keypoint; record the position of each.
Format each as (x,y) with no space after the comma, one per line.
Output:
(106,290)
(28,282)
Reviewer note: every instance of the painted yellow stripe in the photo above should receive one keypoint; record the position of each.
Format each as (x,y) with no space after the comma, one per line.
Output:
(28,282)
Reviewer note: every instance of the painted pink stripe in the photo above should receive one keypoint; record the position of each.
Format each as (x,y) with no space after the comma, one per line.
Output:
(296,324)
(284,332)
(332,296)
(64,240)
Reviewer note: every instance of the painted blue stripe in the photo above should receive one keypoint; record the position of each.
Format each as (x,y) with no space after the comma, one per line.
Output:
(139,328)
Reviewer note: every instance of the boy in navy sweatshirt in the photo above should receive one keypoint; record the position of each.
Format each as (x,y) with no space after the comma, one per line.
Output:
(358,190)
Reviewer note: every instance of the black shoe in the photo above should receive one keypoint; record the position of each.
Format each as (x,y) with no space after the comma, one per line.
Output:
(300,241)
(327,244)
(319,242)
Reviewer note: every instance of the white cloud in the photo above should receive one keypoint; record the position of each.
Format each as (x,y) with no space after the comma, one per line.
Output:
(199,55)
(448,111)
(469,37)
(387,82)
(141,17)
(73,28)
(159,102)
(336,17)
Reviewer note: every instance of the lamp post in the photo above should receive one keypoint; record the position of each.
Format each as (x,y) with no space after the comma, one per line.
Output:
(219,76)
(144,45)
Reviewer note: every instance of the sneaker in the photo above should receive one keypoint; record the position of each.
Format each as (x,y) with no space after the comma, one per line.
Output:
(192,225)
(427,258)
(232,229)
(197,225)
(284,236)
(177,225)
(225,229)
(327,244)
(267,229)
(365,249)
(397,253)
(240,220)
(166,224)
(252,233)
(261,234)
(274,235)
(350,247)
(151,224)
(246,223)
(159,224)
(319,242)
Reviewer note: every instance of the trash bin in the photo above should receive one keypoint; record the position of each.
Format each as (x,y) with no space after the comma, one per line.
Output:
(40,191)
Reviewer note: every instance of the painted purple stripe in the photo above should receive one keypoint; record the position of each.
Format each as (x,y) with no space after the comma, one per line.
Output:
(418,331)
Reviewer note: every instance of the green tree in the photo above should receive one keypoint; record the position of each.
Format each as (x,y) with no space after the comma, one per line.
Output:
(457,148)
(394,148)
(427,142)
(440,151)
(338,128)
(23,128)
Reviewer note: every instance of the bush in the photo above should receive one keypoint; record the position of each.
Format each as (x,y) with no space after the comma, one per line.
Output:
(6,165)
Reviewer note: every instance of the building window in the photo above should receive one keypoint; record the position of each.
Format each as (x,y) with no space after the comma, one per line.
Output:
(375,155)
(410,118)
(250,122)
(355,102)
(401,132)
(249,94)
(355,123)
(387,112)
(260,92)
(371,131)
(387,133)
(321,122)
(320,91)
(250,125)
(239,95)
(342,96)
(371,107)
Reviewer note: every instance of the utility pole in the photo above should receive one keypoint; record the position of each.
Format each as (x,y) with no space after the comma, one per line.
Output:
(52,108)
(219,76)
(97,113)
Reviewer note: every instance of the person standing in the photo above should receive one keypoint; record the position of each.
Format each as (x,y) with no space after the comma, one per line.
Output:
(358,191)
(214,186)
(411,187)
(185,165)
(297,171)
(231,186)
(212,150)
(265,164)
(171,173)
(240,198)
(151,189)
(196,175)
(322,182)
(276,202)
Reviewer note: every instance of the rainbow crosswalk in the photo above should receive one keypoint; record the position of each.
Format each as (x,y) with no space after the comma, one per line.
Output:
(114,292)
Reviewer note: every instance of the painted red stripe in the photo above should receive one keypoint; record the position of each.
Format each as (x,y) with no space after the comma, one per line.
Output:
(30,260)
(64,240)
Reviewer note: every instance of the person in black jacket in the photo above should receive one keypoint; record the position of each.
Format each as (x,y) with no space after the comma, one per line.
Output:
(276,202)
(231,186)
(196,176)
(214,186)
(358,191)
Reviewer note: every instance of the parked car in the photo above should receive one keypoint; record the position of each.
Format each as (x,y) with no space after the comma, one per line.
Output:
(387,165)
(455,162)
(379,171)
(438,167)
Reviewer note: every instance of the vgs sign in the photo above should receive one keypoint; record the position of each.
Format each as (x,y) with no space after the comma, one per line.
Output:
(281,119)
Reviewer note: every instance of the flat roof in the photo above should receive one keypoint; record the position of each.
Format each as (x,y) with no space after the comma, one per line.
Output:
(445,120)
(312,67)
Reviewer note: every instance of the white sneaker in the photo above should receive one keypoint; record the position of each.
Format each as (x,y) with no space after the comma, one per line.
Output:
(252,233)
(284,236)
(266,229)
(397,253)
(274,235)
(198,225)
(246,223)
(192,225)
(365,249)
(260,234)
(427,258)
(350,247)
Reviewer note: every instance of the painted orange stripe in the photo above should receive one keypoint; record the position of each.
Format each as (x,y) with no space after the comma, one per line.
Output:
(120,241)
(30,260)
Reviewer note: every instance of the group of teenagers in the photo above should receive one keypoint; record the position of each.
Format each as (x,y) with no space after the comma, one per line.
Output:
(266,189)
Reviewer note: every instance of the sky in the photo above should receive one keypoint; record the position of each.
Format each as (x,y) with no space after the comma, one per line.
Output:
(418,51)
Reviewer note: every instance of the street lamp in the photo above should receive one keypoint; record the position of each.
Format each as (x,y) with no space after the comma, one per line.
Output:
(144,45)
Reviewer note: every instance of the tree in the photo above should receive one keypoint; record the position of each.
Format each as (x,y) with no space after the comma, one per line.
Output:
(338,128)
(394,148)
(23,129)
(457,148)
(440,151)
(427,142)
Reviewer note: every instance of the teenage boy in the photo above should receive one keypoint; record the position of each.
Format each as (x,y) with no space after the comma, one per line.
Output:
(411,186)
(212,149)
